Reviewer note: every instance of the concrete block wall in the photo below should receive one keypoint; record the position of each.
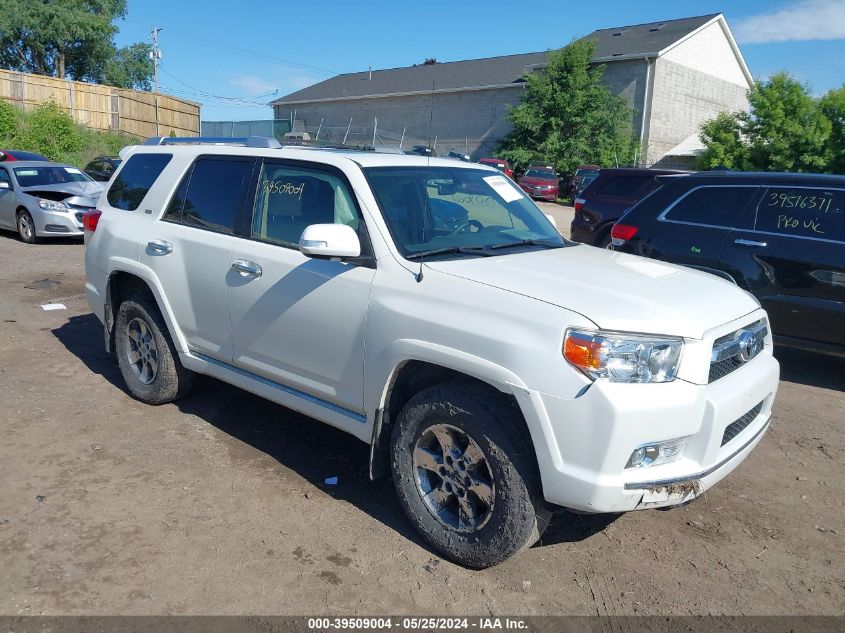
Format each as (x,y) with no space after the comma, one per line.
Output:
(477,115)
(627,78)
(684,98)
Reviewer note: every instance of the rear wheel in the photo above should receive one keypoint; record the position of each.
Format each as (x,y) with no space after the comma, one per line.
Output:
(465,474)
(26,227)
(605,241)
(146,355)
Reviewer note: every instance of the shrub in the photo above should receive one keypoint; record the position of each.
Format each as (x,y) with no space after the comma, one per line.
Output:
(9,123)
(51,131)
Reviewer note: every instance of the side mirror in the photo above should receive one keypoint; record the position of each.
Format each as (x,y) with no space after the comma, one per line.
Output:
(4,185)
(329,240)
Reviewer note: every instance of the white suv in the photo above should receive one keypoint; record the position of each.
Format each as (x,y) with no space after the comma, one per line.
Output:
(430,309)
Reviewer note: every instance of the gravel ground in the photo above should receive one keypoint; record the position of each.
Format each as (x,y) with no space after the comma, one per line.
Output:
(216,504)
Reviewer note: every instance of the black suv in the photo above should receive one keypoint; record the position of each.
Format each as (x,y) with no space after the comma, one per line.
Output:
(605,199)
(102,167)
(779,236)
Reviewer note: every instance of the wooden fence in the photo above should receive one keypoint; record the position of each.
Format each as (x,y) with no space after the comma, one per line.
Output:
(104,107)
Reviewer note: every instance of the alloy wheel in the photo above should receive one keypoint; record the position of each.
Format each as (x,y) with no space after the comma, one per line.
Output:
(141,351)
(453,478)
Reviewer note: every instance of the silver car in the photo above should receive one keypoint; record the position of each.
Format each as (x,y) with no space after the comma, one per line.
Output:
(40,199)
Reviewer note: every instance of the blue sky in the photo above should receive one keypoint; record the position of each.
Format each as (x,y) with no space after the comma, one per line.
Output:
(232,56)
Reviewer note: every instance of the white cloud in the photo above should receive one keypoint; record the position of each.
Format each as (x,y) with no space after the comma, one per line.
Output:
(291,81)
(252,85)
(803,20)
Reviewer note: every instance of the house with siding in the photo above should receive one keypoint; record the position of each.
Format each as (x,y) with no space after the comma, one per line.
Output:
(674,74)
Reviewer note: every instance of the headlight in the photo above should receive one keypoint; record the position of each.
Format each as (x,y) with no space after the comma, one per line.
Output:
(620,357)
(52,205)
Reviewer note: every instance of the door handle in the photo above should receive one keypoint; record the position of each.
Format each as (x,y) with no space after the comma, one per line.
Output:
(159,247)
(246,267)
(749,243)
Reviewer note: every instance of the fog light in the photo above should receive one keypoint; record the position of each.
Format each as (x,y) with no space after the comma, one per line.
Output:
(657,453)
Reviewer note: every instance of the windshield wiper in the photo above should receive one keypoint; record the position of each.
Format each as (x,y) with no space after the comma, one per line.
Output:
(545,243)
(463,250)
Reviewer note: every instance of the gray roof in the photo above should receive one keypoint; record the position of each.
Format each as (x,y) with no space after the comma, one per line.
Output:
(651,37)
(493,71)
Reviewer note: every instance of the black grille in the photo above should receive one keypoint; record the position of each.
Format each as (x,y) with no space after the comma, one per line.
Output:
(724,367)
(735,428)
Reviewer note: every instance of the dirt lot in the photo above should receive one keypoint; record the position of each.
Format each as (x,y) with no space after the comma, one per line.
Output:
(216,504)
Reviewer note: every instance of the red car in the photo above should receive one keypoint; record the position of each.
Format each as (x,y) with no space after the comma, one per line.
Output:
(15,154)
(498,163)
(541,181)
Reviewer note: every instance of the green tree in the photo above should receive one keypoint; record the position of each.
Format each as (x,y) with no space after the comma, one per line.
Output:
(724,143)
(69,38)
(785,129)
(568,117)
(832,106)
(131,67)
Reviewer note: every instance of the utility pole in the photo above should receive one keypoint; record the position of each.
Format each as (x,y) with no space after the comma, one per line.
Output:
(156,55)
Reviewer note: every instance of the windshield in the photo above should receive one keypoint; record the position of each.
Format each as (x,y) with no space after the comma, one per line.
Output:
(540,173)
(52,175)
(429,209)
(586,173)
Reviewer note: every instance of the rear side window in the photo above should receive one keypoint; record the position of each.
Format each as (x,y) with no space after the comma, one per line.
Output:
(715,206)
(803,212)
(211,195)
(135,179)
(623,186)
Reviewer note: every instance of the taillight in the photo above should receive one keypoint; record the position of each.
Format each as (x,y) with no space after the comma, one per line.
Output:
(579,203)
(621,233)
(90,219)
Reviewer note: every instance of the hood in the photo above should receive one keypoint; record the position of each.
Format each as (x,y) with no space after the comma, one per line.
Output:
(616,291)
(85,189)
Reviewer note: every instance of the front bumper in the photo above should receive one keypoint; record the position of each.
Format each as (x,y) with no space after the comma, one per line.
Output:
(58,223)
(591,437)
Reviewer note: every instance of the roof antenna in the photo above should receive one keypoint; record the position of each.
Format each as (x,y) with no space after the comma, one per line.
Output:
(427,169)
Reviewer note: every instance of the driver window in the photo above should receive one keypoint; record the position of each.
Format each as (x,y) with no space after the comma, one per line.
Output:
(291,198)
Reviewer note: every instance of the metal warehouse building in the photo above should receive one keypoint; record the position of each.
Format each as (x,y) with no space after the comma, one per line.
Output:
(674,74)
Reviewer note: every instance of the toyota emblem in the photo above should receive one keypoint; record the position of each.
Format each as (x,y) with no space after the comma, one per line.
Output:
(749,345)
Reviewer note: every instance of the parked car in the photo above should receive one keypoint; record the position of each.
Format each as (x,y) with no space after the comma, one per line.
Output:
(541,181)
(493,367)
(583,176)
(778,236)
(102,168)
(453,153)
(607,197)
(44,200)
(16,154)
(498,163)
(422,150)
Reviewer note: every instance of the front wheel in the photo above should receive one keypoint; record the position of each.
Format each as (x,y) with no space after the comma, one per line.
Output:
(26,228)
(465,474)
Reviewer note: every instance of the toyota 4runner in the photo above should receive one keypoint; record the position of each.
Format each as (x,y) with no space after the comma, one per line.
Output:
(430,309)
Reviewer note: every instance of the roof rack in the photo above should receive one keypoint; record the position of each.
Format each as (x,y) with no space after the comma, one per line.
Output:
(267,142)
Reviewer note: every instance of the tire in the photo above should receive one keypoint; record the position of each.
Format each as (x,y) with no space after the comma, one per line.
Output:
(146,355)
(26,228)
(605,241)
(493,461)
